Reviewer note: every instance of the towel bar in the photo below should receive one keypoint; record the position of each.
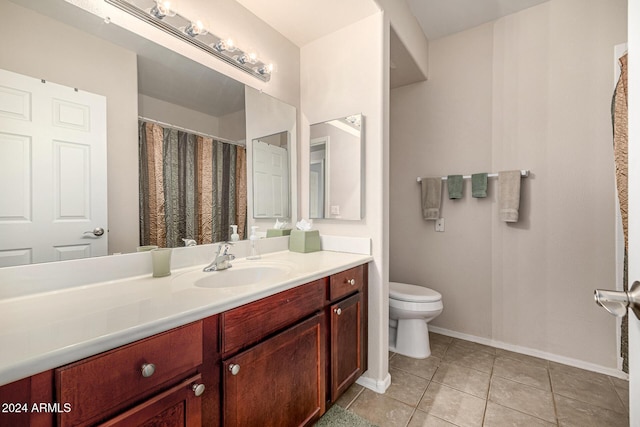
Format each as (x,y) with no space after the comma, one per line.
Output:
(523,172)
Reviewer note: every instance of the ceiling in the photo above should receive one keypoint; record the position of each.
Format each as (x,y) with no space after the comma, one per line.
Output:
(303,21)
(439,18)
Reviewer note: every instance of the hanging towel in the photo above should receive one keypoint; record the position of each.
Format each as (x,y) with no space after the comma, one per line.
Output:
(479,185)
(431,193)
(454,185)
(509,195)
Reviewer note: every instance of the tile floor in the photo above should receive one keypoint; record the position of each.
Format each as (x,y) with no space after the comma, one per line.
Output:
(467,384)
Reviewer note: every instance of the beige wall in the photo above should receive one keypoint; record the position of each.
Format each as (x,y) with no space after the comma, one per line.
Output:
(157,109)
(338,82)
(73,58)
(530,91)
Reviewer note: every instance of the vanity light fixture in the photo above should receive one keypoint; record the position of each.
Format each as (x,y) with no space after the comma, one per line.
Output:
(162,15)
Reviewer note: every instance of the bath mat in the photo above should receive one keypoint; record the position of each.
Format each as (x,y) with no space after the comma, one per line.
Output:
(340,417)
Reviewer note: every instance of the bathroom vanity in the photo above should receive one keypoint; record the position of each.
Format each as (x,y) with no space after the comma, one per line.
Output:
(280,359)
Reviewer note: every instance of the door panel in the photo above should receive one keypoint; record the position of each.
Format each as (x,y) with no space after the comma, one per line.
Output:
(52,171)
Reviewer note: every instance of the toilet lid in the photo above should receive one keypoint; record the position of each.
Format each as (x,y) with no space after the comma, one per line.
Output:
(414,293)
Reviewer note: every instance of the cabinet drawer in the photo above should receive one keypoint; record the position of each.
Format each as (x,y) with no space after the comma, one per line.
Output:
(178,406)
(104,384)
(250,323)
(346,282)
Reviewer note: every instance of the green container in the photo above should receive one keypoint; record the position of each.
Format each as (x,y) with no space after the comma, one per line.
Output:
(304,241)
(275,232)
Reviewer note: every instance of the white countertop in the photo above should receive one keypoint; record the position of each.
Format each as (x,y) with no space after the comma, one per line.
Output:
(46,330)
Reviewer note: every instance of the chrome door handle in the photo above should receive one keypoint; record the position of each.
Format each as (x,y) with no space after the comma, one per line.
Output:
(617,302)
(98,231)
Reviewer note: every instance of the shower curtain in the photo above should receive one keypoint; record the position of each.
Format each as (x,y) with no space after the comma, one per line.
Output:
(190,187)
(619,116)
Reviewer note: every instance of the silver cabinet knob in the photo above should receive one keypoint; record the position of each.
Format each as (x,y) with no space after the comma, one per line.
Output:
(198,389)
(148,369)
(617,302)
(337,311)
(234,369)
(351,281)
(98,231)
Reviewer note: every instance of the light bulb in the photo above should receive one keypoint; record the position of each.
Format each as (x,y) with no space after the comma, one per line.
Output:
(163,8)
(247,58)
(196,28)
(265,69)
(224,45)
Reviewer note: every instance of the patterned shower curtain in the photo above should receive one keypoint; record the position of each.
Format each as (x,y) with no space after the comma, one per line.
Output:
(190,187)
(619,115)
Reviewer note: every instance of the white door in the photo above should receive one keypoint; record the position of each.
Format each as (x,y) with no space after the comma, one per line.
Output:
(53,187)
(634,203)
(271,180)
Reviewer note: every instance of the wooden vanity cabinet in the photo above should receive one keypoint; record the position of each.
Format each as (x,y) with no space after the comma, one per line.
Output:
(18,399)
(278,378)
(347,341)
(279,361)
(153,376)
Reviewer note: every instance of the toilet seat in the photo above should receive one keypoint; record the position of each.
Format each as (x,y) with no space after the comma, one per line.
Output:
(412,293)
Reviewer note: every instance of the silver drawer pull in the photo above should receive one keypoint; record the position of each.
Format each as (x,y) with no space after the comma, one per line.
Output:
(351,281)
(234,369)
(198,389)
(148,369)
(337,311)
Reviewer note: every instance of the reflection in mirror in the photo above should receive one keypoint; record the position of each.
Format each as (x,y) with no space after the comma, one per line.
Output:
(336,170)
(139,79)
(191,186)
(272,138)
(271,176)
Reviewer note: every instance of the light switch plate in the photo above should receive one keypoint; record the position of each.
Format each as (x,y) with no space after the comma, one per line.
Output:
(440,224)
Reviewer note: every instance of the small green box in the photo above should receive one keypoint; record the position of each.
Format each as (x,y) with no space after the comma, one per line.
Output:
(276,232)
(304,241)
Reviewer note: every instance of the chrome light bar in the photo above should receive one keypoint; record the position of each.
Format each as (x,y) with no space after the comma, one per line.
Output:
(185,30)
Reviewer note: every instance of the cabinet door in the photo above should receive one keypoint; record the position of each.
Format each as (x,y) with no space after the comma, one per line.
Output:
(176,407)
(346,344)
(279,382)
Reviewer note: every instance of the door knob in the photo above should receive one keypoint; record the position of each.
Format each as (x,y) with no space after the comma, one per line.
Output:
(98,231)
(617,302)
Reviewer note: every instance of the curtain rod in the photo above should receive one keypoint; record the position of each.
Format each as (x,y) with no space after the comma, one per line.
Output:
(180,128)
(523,173)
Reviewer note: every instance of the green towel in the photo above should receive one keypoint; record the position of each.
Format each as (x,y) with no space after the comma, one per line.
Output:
(479,185)
(454,185)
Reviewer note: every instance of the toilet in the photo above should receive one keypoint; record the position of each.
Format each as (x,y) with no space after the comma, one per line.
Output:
(411,307)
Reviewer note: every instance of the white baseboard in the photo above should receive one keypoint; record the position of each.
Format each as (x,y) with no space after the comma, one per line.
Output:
(532,352)
(379,386)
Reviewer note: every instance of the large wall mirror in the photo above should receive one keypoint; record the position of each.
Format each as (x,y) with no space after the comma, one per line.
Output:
(336,169)
(190,113)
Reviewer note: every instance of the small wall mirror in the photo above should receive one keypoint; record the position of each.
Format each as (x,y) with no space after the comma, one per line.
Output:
(336,169)
(271,176)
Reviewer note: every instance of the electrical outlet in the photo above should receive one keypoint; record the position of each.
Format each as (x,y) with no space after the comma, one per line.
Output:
(335,210)
(440,224)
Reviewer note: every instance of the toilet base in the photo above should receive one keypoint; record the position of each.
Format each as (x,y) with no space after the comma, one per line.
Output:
(411,338)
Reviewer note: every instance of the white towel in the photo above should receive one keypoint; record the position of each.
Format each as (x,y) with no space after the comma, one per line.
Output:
(431,195)
(509,195)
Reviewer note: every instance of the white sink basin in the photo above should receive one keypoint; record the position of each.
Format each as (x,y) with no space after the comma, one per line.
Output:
(237,275)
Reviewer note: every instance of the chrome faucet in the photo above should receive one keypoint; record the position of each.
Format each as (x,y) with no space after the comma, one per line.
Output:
(221,261)
(189,242)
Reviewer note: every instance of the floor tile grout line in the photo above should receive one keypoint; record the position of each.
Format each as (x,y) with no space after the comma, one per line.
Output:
(615,389)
